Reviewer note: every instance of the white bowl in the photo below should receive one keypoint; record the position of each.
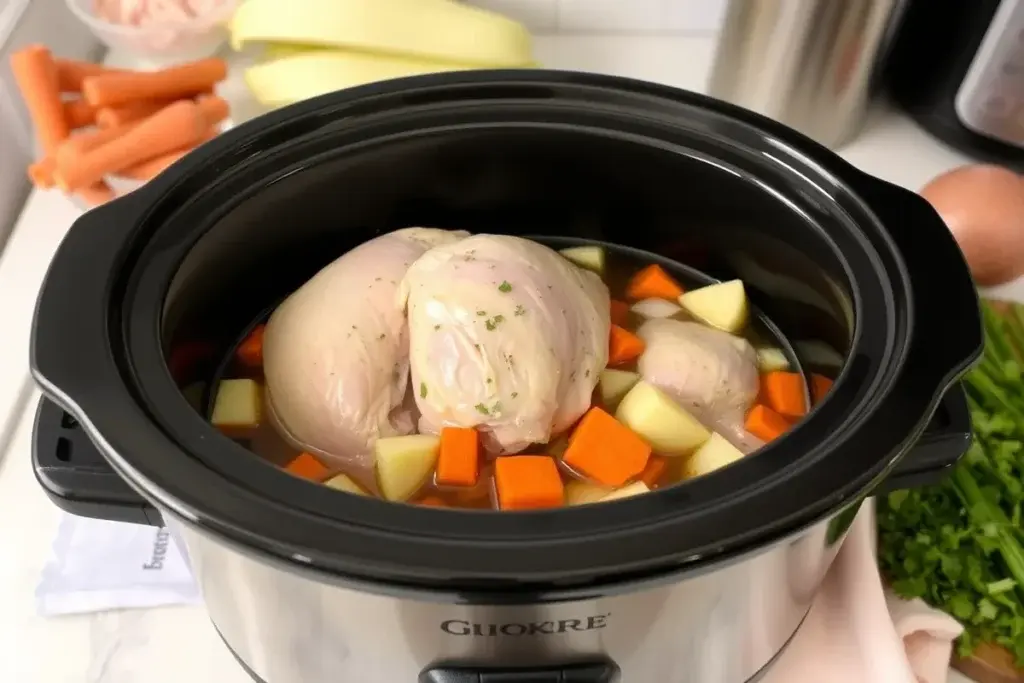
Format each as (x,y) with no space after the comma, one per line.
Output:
(164,43)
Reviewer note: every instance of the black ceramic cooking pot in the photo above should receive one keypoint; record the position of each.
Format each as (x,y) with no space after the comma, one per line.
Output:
(699,583)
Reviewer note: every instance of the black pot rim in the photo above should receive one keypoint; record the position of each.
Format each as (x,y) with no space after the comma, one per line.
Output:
(163,448)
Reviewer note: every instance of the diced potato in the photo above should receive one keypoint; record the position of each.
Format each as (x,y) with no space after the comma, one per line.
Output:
(627,491)
(404,463)
(589,257)
(343,482)
(238,406)
(655,308)
(723,305)
(614,384)
(771,359)
(715,453)
(660,421)
(584,493)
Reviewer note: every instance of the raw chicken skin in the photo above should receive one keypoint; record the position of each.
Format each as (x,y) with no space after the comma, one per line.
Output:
(507,336)
(711,373)
(336,352)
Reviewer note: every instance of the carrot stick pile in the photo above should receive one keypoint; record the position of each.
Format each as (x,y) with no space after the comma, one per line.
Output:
(92,122)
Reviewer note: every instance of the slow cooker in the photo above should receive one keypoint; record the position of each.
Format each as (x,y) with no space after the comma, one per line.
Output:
(704,582)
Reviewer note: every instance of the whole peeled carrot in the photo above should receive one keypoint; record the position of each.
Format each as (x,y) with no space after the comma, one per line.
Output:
(112,117)
(79,113)
(151,168)
(41,173)
(71,73)
(96,194)
(36,76)
(77,145)
(177,126)
(109,90)
(214,109)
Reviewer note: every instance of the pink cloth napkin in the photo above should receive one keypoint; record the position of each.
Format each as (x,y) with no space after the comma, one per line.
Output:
(857,632)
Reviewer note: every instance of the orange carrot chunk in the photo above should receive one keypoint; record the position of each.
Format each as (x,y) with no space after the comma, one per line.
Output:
(527,482)
(654,471)
(605,450)
(307,467)
(36,75)
(765,423)
(108,90)
(620,313)
(250,351)
(653,283)
(783,392)
(175,127)
(623,346)
(458,463)
(820,385)
(432,501)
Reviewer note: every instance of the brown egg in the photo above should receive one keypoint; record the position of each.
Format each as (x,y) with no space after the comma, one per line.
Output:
(984,208)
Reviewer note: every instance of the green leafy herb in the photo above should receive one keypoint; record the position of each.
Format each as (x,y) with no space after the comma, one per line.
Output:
(482,409)
(423,389)
(520,310)
(959,545)
(492,323)
(505,287)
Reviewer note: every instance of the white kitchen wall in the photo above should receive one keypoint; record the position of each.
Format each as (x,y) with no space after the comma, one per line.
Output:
(613,16)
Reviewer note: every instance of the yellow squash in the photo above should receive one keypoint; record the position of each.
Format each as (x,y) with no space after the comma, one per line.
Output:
(436,30)
(290,79)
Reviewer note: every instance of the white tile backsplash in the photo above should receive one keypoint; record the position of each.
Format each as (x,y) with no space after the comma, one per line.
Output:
(622,17)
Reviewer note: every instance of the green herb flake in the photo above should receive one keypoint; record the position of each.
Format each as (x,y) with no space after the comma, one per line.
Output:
(423,389)
(497,407)
(481,313)
(505,287)
(520,310)
(482,409)
(492,323)
(436,328)
(514,394)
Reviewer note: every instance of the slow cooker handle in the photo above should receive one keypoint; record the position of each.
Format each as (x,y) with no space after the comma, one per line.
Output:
(943,289)
(600,671)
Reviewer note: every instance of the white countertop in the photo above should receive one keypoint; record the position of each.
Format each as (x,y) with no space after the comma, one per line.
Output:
(170,645)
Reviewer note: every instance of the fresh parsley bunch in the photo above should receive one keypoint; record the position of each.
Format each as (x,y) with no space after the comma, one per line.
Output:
(959,545)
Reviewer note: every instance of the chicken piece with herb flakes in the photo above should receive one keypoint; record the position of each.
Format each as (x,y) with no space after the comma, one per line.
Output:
(336,352)
(506,336)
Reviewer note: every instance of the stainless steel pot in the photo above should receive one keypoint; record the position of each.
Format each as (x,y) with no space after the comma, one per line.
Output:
(704,582)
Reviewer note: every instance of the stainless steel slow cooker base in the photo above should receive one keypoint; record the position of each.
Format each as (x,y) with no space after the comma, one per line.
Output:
(724,625)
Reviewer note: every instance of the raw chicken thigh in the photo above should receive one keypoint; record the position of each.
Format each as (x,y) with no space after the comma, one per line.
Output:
(336,352)
(711,373)
(507,336)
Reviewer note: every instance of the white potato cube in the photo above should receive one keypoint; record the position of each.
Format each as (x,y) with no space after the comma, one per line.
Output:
(583,493)
(343,482)
(771,359)
(238,406)
(722,305)
(588,257)
(660,421)
(614,384)
(716,452)
(404,464)
(627,491)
